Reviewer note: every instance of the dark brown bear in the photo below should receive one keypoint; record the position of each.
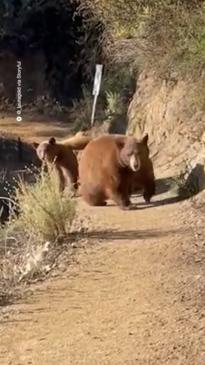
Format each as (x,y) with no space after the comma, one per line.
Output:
(61,155)
(144,179)
(107,167)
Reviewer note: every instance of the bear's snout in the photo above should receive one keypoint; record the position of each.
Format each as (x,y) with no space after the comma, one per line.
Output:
(41,154)
(135,163)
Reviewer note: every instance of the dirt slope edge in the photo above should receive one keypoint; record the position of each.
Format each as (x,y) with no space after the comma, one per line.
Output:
(168,111)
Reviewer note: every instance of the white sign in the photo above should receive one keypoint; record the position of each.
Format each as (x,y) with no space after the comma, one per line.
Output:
(96,89)
(97,80)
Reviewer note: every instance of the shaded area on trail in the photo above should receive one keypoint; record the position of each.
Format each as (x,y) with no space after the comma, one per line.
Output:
(135,234)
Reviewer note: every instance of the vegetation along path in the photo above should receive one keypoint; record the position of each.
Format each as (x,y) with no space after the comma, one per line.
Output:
(133,298)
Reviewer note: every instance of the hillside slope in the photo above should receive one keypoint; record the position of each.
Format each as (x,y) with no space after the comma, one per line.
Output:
(167,111)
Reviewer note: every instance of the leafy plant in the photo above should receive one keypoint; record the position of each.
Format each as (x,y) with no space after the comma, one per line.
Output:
(114,103)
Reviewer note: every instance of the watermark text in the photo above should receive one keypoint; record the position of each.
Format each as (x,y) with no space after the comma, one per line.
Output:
(19,93)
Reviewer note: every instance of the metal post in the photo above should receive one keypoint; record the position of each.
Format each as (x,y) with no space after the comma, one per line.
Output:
(96,89)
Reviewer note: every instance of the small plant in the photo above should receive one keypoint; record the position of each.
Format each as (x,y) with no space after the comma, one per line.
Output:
(114,103)
(119,78)
(29,242)
(82,109)
(186,184)
(45,212)
(118,84)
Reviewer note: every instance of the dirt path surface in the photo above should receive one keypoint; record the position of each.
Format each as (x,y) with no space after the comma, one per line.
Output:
(34,128)
(134,298)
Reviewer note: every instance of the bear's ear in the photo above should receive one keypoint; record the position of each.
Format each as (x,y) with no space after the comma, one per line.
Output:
(52,140)
(35,145)
(145,139)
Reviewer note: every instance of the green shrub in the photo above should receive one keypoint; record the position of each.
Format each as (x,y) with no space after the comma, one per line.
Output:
(114,103)
(119,78)
(81,111)
(118,84)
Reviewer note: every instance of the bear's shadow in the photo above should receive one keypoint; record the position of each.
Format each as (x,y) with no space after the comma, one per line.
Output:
(113,234)
(143,205)
(163,186)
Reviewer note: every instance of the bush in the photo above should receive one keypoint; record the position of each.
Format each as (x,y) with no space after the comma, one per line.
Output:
(119,78)
(170,33)
(114,103)
(81,111)
(186,184)
(29,243)
(176,44)
(118,84)
(45,213)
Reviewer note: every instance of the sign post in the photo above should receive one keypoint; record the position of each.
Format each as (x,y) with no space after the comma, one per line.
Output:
(96,89)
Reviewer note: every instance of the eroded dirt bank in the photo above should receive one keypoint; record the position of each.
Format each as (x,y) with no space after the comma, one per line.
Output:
(168,110)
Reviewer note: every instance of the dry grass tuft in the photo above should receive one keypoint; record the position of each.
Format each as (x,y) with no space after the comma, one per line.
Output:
(29,242)
(45,212)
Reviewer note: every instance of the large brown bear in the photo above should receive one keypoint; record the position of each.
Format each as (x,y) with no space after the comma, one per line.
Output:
(107,167)
(61,155)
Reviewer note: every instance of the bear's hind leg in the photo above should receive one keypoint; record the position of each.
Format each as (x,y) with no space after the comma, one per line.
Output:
(123,202)
(94,199)
(70,181)
(149,190)
(60,178)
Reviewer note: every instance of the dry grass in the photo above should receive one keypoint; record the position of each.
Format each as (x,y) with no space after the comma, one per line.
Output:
(81,111)
(28,243)
(45,212)
(169,33)
(176,45)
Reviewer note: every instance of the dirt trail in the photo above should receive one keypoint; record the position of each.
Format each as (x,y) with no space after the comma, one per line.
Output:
(36,128)
(133,298)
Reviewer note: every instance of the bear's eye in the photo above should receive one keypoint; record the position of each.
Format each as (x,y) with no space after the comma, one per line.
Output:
(129,154)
